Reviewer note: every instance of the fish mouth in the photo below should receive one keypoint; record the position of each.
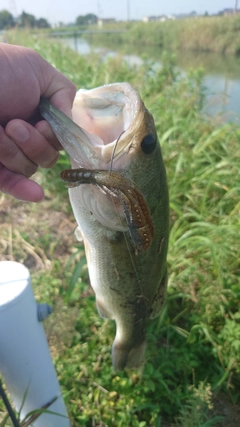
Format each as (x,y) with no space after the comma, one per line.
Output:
(105,120)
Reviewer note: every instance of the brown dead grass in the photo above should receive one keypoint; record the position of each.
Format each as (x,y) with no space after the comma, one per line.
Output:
(35,234)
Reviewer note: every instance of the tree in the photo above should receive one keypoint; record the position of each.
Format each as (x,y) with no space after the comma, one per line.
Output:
(80,20)
(42,23)
(88,19)
(27,20)
(91,19)
(6,19)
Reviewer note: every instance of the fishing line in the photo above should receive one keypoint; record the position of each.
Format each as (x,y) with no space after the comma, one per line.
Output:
(113,152)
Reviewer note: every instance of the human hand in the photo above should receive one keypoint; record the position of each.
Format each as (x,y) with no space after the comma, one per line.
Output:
(27,141)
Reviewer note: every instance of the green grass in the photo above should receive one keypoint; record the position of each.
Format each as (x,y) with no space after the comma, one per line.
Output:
(194,345)
(208,34)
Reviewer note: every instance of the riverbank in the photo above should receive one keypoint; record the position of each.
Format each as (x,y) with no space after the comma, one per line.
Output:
(220,34)
(192,370)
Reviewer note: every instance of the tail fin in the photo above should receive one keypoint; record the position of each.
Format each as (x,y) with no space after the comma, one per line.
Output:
(125,357)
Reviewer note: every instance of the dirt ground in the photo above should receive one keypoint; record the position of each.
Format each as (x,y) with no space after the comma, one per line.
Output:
(225,408)
(35,234)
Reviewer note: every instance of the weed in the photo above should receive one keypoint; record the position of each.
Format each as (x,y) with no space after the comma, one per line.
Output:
(202,34)
(193,346)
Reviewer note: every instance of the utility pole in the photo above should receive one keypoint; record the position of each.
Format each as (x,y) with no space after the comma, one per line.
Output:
(236,6)
(99,10)
(128,10)
(12,7)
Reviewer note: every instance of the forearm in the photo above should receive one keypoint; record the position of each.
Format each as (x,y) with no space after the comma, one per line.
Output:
(24,77)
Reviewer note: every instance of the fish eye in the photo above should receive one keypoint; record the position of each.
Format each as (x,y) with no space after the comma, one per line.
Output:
(148,144)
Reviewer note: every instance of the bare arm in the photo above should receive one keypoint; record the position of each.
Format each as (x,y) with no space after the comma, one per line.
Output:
(27,141)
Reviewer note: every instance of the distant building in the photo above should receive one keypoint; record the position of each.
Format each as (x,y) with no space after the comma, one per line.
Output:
(104,21)
(160,18)
(59,25)
(163,18)
(228,12)
(186,15)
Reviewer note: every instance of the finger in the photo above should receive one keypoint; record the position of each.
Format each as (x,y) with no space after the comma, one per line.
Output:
(61,92)
(32,143)
(45,129)
(13,158)
(19,186)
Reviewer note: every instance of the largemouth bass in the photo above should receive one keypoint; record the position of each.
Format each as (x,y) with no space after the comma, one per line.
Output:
(119,196)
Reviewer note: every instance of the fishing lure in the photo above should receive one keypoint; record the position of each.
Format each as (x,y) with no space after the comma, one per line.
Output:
(137,213)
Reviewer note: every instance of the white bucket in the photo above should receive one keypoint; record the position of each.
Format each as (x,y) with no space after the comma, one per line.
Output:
(25,361)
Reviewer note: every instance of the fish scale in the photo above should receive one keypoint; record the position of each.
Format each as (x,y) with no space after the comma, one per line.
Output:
(129,192)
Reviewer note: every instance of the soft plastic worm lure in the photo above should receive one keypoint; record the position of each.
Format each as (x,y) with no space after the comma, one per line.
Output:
(137,213)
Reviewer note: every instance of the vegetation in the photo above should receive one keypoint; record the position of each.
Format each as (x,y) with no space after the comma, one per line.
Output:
(88,19)
(219,34)
(192,372)
(208,34)
(6,19)
(25,20)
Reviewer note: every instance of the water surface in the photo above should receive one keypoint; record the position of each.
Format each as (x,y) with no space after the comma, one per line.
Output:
(222,73)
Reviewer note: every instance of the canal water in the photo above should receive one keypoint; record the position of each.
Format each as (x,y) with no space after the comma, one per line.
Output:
(222,73)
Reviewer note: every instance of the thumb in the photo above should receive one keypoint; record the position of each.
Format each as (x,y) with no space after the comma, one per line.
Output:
(60,91)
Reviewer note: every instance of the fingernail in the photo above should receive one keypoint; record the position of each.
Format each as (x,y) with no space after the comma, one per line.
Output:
(18,132)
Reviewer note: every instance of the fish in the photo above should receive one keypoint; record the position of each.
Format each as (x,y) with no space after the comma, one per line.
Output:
(119,195)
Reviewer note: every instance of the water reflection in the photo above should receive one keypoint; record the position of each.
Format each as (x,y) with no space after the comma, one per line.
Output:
(84,48)
(223,96)
(222,73)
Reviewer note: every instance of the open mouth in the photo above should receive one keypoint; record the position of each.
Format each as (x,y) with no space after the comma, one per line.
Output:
(100,116)
(106,111)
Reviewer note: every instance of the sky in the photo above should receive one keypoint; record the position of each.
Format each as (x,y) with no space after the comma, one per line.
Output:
(67,10)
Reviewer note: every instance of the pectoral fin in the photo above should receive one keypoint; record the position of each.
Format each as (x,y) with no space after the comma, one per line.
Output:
(78,234)
(102,311)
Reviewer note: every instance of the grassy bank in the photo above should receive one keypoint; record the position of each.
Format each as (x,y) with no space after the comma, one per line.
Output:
(218,34)
(191,377)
